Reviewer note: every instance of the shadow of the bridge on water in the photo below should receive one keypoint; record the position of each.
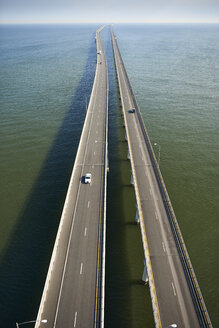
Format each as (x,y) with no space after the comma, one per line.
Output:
(128,303)
(25,262)
(118,296)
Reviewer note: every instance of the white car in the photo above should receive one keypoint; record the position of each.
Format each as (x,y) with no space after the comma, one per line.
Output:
(87,178)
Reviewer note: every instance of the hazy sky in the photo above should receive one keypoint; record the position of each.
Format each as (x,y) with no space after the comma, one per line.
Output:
(41,11)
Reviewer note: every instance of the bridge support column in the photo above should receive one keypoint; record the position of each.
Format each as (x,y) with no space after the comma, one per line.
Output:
(132,180)
(137,217)
(145,274)
(123,123)
(126,139)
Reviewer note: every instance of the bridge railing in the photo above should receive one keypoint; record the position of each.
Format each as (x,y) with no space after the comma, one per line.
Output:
(189,271)
(100,284)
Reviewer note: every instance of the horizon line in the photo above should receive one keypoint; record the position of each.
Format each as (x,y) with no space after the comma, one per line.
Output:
(108,23)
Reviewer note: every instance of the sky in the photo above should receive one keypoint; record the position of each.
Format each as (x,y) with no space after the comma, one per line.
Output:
(109,11)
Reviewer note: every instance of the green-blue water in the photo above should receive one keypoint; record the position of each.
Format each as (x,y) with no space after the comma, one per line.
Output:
(46,79)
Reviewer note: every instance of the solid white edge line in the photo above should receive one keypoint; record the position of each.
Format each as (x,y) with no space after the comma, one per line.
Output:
(104,220)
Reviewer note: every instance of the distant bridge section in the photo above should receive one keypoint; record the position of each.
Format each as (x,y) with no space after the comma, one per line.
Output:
(176,297)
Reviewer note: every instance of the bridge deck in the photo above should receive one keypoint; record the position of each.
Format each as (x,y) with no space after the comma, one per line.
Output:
(73,290)
(171,297)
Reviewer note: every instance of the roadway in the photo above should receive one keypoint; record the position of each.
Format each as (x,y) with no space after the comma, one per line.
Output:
(73,295)
(171,297)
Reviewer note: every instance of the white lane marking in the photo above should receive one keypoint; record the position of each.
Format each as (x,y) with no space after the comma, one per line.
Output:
(81,269)
(174,292)
(85,232)
(96,132)
(164,249)
(88,204)
(156,216)
(92,166)
(95,141)
(94,153)
(75,321)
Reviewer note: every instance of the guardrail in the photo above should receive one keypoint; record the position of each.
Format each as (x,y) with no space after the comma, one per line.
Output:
(100,284)
(187,265)
(103,232)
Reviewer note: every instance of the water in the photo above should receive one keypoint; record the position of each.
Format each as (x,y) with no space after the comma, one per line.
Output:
(47,74)
(47,78)
(174,70)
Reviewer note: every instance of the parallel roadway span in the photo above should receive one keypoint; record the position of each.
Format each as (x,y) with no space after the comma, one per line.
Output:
(176,297)
(73,295)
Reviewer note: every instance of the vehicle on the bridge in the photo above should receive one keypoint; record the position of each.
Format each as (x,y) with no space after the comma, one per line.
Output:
(99,52)
(132,110)
(87,178)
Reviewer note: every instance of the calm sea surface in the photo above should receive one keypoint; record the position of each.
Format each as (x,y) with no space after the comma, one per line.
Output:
(46,79)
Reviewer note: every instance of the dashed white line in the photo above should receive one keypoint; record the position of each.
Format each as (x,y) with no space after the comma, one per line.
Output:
(95,141)
(81,268)
(88,204)
(85,232)
(174,292)
(156,216)
(75,321)
(94,153)
(164,249)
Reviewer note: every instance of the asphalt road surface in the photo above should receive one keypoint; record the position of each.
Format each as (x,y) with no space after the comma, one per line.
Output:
(72,291)
(172,295)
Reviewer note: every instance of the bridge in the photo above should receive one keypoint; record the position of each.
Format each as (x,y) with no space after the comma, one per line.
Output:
(73,294)
(176,297)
